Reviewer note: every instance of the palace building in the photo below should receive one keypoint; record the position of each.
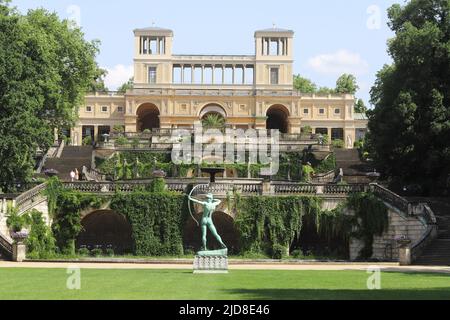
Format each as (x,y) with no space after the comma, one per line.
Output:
(249,91)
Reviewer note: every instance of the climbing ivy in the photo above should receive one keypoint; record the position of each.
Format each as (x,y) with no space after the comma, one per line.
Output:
(267,222)
(371,219)
(156,219)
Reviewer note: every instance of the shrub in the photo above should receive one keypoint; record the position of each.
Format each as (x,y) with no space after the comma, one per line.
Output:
(307,130)
(97,252)
(278,252)
(147,131)
(121,141)
(340,144)
(118,129)
(83,251)
(297,254)
(135,142)
(110,252)
(87,141)
(14,222)
(40,242)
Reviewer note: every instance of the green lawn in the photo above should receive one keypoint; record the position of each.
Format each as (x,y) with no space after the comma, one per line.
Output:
(175,284)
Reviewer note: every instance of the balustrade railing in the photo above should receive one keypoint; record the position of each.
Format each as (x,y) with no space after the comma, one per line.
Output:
(390,197)
(6,244)
(27,198)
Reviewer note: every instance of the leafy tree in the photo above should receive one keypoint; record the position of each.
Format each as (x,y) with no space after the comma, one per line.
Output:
(360,107)
(98,83)
(410,126)
(325,90)
(126,86)
(346,84)
(304,85)
(212,121)
(46,67)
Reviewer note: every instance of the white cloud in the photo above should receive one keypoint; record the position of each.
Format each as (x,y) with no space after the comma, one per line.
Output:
(118,75)
(342,61)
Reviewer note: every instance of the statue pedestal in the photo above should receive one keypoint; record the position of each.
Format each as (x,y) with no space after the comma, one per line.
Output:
(211,262)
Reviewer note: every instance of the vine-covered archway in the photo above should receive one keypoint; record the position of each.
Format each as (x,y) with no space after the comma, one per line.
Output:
(192,238)
(106,228)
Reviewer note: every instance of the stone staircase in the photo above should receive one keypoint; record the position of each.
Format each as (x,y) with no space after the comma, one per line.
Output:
(354,169)
(71,158)
(438,252)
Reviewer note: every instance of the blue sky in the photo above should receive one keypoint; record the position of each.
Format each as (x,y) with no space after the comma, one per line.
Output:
(331,36)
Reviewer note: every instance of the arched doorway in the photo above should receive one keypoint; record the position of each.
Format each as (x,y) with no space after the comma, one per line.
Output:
(278,118)
(147,117)
(192,235)
(106,228)
(213,116)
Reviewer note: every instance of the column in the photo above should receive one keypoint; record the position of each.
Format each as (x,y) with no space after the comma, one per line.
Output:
(234,74)
(158,45)
(182,73)
(223,74)
(243,74)
(213,73)
(203,74)
(278,46)
(268,46)
(192,74)
(95,133)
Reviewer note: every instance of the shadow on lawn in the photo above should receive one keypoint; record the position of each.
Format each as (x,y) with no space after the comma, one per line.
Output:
(338,294)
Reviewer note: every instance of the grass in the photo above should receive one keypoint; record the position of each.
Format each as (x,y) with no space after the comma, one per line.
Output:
(18,283)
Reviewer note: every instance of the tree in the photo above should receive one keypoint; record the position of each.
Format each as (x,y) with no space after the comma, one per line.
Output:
(126,86)
(304,85)
(98,83)
(360,107)
(46,68)
(409,134)
(346,84)
(213,121)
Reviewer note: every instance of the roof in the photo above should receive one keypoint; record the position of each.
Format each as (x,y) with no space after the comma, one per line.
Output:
(274,31)
(360,116)
(154,30)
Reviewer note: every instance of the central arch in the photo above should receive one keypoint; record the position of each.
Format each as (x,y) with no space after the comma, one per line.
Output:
(147,117)
(106,228)
(225,227)
(278,118)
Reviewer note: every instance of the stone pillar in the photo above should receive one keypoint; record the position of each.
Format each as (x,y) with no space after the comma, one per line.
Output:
(192,74)
(203,74)
(182,73)
(404,253)
(19,252)
(234,74)
(213,67)
(223,74)
(267,188)
(243,74)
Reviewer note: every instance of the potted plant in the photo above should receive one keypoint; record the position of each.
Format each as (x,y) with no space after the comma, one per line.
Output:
(16,224)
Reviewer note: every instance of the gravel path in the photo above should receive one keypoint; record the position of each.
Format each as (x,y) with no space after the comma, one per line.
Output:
(394,267)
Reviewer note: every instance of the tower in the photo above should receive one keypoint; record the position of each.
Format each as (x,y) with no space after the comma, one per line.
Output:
(152,53)
(274,58)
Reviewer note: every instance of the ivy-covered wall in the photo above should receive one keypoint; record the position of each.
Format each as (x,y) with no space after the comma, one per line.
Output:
(156,219)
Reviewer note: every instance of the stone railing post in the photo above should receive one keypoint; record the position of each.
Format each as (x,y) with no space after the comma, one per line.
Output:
(267,188)
(19,251)
(404,253)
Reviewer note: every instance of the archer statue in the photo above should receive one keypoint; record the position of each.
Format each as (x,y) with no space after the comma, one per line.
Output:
(209,207)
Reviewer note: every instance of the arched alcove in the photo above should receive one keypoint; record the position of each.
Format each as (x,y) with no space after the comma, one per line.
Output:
(106,228)
(192,235)
(147,117)
(278,118)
